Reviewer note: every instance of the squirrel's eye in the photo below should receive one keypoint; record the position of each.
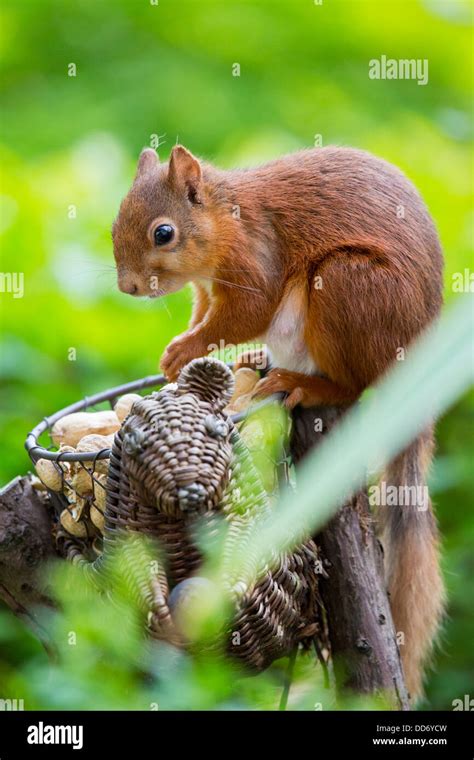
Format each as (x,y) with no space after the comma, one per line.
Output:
(164,233)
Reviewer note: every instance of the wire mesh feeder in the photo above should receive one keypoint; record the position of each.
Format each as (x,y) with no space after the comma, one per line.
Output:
(178,464)
(74,479)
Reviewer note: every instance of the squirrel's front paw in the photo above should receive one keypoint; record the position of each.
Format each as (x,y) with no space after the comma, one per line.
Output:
(281,381)
(180,351)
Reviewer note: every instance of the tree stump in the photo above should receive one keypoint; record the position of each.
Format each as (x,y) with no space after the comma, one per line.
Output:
(360,626)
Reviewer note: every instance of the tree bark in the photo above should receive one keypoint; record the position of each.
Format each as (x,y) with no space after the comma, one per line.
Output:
(26,543)
(360,626)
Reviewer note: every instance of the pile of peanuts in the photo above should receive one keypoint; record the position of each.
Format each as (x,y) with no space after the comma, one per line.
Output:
(245,382)
(83,484)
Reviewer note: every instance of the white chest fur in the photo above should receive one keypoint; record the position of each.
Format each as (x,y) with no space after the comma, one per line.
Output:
(285,336)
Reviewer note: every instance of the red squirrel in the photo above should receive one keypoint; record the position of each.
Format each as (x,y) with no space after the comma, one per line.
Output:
(330,257)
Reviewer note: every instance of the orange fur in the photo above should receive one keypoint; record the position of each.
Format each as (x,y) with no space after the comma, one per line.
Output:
(414,579)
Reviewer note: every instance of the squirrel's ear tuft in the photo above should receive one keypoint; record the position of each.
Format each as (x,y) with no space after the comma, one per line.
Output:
(148,159)
(185,173)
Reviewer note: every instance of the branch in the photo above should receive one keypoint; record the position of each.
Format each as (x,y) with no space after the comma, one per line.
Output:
(26,543)
(360,625)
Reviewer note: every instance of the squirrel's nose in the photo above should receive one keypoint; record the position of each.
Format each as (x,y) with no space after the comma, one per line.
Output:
(128,286)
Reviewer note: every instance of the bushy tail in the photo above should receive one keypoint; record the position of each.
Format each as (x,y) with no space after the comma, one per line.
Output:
(410,539)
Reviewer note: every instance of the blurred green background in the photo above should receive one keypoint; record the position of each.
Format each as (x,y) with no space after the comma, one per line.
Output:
(68,149)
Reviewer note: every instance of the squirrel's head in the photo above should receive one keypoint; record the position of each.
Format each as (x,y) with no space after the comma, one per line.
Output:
(164,230)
